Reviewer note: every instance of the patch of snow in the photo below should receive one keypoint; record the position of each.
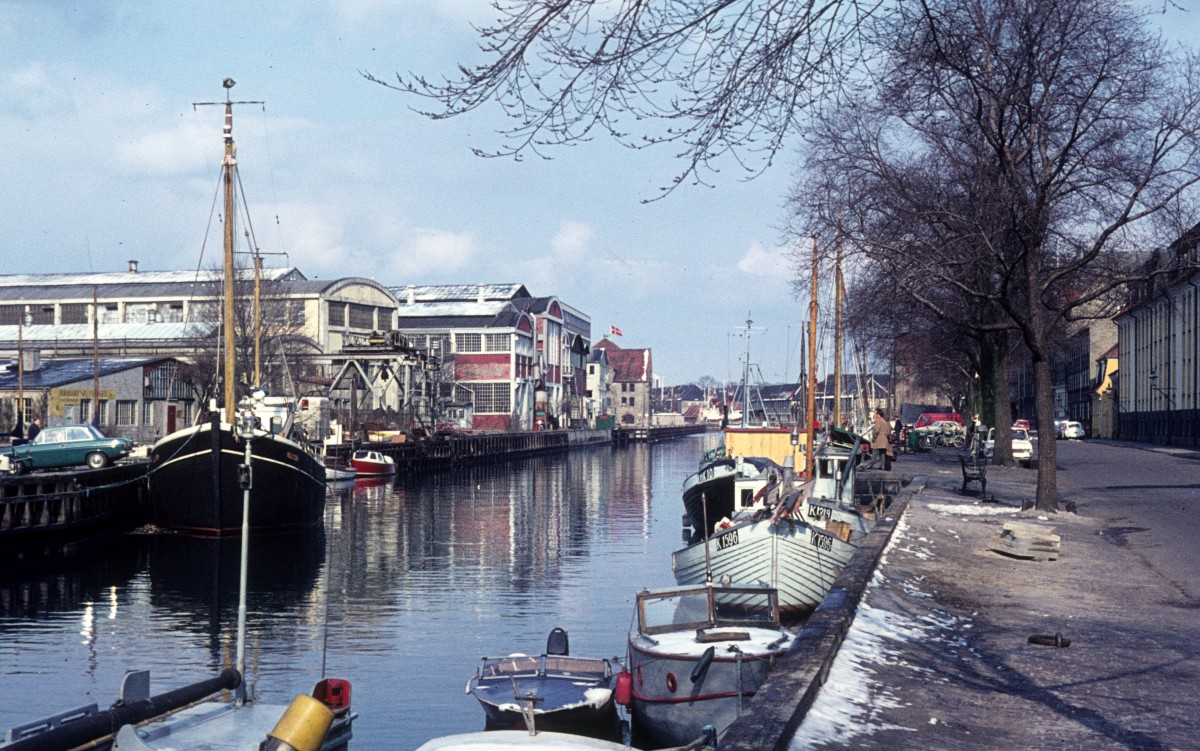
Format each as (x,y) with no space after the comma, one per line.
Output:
(849,705)
(972,510)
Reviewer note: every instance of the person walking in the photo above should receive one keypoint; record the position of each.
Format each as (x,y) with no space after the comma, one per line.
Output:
(881,441)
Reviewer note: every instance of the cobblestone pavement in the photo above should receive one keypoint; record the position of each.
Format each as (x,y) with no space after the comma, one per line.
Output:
(940,657)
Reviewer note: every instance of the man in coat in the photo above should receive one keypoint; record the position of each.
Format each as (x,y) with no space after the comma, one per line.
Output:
(881,442)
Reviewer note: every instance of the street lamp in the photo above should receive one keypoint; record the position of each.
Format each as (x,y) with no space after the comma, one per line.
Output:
(1153,377)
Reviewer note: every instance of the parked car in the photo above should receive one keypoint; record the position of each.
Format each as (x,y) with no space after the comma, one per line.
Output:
(1022,447)
(1072,431)
(925,419)
(1058,426)
(67,446)
(1022,424)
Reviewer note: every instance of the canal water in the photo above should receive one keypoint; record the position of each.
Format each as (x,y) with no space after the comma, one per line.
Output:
(408,585)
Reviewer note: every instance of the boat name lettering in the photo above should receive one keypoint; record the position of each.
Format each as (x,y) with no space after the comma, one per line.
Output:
(819,540)
(727,540)
(819,512)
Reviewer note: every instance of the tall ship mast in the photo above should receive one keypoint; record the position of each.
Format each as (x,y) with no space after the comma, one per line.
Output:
(197,477)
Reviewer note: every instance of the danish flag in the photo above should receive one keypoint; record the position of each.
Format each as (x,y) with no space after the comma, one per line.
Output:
(616,331)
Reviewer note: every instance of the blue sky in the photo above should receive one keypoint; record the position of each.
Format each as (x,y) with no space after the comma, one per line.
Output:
(108,161)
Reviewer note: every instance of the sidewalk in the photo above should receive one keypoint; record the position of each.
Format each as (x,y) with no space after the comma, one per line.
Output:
(938,656)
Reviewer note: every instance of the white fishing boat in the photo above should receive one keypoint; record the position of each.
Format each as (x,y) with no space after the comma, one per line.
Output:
(696,657)
(783,551)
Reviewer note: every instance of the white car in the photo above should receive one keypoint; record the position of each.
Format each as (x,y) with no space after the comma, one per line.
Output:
(1072,430)
(1022,447)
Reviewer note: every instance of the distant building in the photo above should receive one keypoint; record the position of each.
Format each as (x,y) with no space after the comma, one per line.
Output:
(137,313)
(1104,395)
(631,390)
(502,350)
(1159,344)
(139,398)
(599,376)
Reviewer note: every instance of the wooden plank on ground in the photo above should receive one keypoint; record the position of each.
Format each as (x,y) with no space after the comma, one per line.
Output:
(1032,541)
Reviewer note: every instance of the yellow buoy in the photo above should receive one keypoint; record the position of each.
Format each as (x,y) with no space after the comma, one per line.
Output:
(303,726)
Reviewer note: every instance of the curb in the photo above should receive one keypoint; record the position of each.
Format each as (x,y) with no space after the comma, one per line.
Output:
(775,712)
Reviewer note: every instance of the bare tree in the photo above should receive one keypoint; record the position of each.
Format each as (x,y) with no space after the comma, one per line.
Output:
(281,343)
(729,78)
(1012,154)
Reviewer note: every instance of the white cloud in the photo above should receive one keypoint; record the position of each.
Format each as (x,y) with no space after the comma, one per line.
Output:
(764,262)
(432,250)
(572,241)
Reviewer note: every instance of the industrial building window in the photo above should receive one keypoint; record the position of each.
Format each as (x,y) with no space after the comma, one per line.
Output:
(147,413)
(439,345)
(85,411)
(126,412)
(200,310)
(468,342)
(362,316)
(492,398)
(42,313)
(337,313)
(75,312)
(111,313)
(497,342)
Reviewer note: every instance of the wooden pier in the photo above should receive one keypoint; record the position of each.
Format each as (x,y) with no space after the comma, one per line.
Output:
(623,436)
(51,514)
(453,452)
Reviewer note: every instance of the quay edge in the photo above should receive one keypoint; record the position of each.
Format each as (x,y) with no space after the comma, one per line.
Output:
(775,712)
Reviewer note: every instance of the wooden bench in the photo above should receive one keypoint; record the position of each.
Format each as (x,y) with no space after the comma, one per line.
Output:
(974,469)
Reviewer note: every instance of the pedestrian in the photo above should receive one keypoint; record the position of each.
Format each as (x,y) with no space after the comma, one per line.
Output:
(881,442)
(34,428)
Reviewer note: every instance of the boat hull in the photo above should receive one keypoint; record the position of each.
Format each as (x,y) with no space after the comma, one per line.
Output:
(569,694)
(799,560)
(194,485)
(372,464)
(672,710)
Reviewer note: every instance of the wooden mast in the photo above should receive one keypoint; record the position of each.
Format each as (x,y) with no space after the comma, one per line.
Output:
(257,320)
(811,414)
(95,357)
(227,310)
(21,369)
(837,329)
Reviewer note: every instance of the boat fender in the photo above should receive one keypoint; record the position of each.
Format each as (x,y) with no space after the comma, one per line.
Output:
(703,664)
(624,691)
(303,726)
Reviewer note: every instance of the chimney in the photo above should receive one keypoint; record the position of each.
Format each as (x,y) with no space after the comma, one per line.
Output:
(412,295)
(31,360)
(480,293)
(133,266)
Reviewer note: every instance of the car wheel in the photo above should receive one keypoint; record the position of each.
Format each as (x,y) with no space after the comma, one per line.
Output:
(96,460)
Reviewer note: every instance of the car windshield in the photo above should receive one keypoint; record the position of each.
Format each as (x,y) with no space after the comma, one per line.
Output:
(1020,434)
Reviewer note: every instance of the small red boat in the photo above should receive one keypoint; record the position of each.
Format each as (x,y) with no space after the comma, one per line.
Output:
(372,463)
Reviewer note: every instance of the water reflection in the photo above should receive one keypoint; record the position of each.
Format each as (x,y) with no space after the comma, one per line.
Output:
(412,582)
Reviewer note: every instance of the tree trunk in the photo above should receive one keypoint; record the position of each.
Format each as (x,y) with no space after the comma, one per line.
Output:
(1047,451)
(1001,406)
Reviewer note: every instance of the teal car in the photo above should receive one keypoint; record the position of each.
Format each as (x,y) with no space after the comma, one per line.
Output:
(67,446)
